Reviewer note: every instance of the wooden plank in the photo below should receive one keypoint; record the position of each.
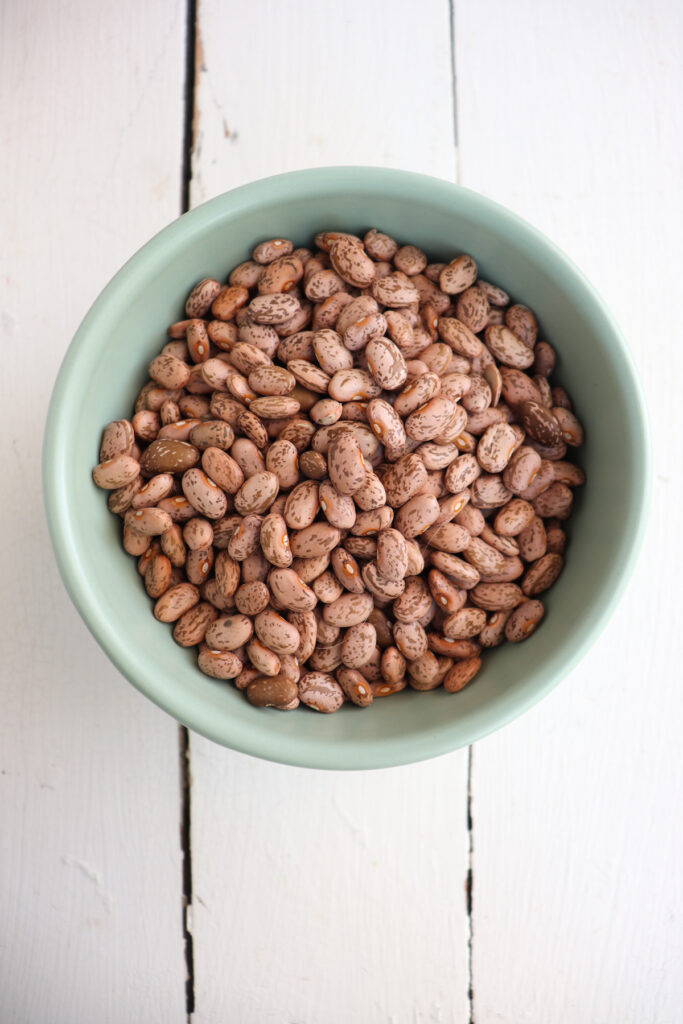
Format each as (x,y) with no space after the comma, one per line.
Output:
(91,118)
(306,85)
(324,896)
(567,114)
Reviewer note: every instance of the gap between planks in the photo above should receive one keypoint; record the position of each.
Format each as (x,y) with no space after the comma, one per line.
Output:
(189,124)
(469,882)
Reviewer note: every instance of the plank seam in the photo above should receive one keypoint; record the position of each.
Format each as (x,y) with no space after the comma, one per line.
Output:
(469,887)
(186,850)
(469,882)
(454,88)
(189,119)
(189,128)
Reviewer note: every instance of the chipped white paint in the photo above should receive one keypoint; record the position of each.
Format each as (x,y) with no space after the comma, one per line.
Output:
(90,867)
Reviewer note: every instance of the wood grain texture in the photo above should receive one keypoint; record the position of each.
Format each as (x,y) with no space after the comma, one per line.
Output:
(90,860)
(309,84)
(325,896)
(578,892)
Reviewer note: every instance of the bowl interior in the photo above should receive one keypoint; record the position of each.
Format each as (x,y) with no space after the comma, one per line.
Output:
(106,365)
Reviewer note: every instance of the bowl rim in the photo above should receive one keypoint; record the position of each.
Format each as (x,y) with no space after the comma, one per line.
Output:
(266,744)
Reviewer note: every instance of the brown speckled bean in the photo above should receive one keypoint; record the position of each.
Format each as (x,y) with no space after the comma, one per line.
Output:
(523,621)
(461,674)
(312,434)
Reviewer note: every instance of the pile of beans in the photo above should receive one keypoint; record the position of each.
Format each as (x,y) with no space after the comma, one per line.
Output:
(347,473)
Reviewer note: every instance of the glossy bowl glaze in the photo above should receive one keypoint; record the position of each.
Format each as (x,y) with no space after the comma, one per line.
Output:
(106,365)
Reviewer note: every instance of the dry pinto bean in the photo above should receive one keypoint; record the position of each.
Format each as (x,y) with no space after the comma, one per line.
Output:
(388,426)
(201,297)
(355,685)
(218,664)
(245,538)
(523,621)
(252,598)
(150,522)
(532,540)
(282,459)
(507,348)
(445,593)
(275,541)
(116,472)
(155,490)
(314,540)
(313,433)
(386,363)
(345,464)
(495,447)
(462,573)
(381,587)
(266,661)
(290,591)
(308,569)
(338,509)
(542,574)
(327,588)
(392,554)
(345,568)
(414,602)
(117,439)
(411,639)
(348,610)
(464,624)
(448,537)
(191,627)
(458,275)
(513,518)
(451,506)
(522,469)
(539,423)
(175,602)
(496,596)
(203,494)
(417,515)
(472,309)
(361,332)
(371,494)
(273,692)
(461,674)
(257,493)
(493,632)
(358,645)
(351,262)
(430,419)
(158,575)
(229,632)
(555,502)
(320,691)
(489,491)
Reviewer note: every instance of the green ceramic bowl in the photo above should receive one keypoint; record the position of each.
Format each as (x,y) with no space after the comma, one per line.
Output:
(106,365)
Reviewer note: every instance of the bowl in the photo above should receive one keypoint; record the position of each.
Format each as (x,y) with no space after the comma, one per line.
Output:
(106,365)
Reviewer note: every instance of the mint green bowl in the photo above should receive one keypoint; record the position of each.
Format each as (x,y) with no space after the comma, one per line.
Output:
(106,365)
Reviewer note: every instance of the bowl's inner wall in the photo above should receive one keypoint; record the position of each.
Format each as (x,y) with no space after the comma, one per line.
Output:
(129,327)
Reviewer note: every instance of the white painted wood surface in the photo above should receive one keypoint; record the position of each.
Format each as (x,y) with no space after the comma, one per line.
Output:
(90,858)
(349,890)
(577,807)
(328,897)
